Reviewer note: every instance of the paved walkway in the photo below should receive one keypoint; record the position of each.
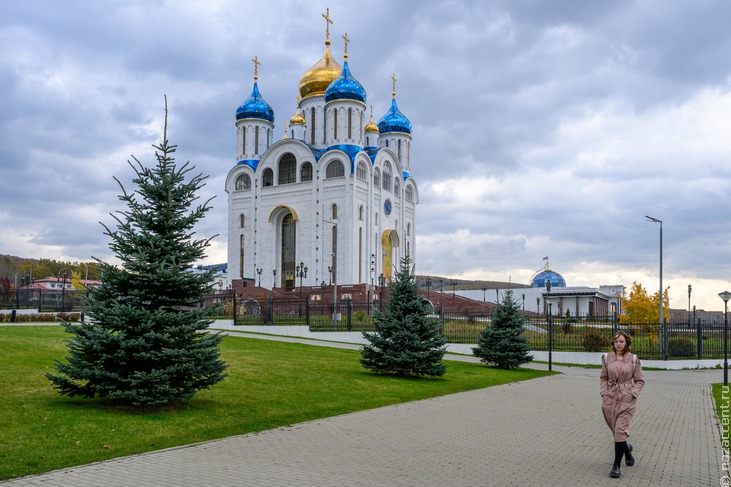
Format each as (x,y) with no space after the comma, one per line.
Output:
(546,431)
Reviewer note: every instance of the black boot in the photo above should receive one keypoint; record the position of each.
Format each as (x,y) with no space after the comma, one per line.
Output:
(619,449)
(629,460)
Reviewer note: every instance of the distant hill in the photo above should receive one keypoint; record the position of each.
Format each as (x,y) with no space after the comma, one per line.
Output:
(465,284)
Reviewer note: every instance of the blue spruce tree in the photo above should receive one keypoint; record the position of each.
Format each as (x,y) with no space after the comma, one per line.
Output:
(143,344)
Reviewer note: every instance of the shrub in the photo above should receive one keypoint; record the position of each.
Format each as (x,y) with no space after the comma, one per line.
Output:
(595,341)
(681,347)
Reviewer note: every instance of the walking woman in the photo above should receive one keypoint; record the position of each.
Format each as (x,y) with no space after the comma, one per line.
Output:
(621,382)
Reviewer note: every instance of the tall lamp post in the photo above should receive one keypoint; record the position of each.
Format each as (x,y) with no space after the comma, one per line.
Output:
(454,285)
(258,273)
(333,271)
(381,283)
(274,283)
(550,325)
(428,289)
(484,297)
(725,296)
(301,272)
(689,290)
(655,220)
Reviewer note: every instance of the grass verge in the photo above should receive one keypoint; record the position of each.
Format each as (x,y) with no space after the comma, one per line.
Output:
(722,400)
(269,384)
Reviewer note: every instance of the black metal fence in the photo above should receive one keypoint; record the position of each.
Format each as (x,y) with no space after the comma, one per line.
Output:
(701,340)
(44,300)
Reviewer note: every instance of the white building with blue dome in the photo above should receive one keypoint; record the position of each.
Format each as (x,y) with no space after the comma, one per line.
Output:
(336,194)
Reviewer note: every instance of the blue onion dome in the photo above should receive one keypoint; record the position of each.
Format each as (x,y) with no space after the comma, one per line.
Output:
(255,107)
(394,120)
(542,277)
(345,87)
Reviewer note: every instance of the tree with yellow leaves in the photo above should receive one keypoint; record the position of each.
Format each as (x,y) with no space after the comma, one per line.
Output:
(640,310)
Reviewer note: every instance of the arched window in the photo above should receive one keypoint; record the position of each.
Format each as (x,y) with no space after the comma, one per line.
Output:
(243,142)
(334,213)
(287,169)
(399,149)
(375,219)
(335,170)
(306,172)
(241,256)
(361,172)
(408,229)
(267,179)
(256,140)
(387,176)
(335,123)
(243,183)
(396,186)
(350,123)
(242,220)
(409,194)
(312,134)
(377,178)
(360,212)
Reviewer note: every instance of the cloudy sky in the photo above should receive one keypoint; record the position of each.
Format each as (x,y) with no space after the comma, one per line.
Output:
(540,128)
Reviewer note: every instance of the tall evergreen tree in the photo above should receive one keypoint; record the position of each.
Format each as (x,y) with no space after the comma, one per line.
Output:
(406,341)
(143,344)
(502,343)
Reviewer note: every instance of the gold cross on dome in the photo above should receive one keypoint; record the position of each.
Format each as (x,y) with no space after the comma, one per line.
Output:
(371,112)
(345,38)
(328,21)
(393,79)
(298,102)
(256,62)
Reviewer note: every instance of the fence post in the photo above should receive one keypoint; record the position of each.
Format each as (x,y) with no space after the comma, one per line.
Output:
(665,337)
(441,318)
(699,340)
(349,308)
(271,310)
(307,313)
(235,308)
(12,316)
(614,323)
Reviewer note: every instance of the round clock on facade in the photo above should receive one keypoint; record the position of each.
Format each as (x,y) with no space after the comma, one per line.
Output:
(387,207)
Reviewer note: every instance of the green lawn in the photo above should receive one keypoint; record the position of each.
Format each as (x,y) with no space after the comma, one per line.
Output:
(723,410)
(269,384)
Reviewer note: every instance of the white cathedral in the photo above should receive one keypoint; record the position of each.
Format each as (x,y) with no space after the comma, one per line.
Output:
(336,194)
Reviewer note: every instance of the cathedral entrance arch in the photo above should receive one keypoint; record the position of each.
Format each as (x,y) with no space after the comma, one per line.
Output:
(285,250)
(389,242)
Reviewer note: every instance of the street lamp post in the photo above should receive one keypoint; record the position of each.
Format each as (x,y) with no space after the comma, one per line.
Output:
(484,297)
(428,289)
(381,283)
(454,285)
(301,272)
(258,273)
(330,272)
(274,273)
(689,290)
(538,305)
(550,325)
(726,295)
(523,301)
(655,220)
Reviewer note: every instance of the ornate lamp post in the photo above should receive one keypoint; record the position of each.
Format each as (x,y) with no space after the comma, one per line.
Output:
(258,273)
(301,272)
(725,296)
(454,285)
(274,273)
(330,271)
(538,305)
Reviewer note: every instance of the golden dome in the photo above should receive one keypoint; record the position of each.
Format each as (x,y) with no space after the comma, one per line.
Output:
(298,119)
(316,80)
(371,127)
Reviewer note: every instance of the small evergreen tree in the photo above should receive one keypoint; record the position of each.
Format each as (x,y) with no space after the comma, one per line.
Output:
(143,345)
(502,343)
(406,341)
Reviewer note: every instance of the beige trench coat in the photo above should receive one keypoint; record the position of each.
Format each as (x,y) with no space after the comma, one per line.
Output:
(621,382)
